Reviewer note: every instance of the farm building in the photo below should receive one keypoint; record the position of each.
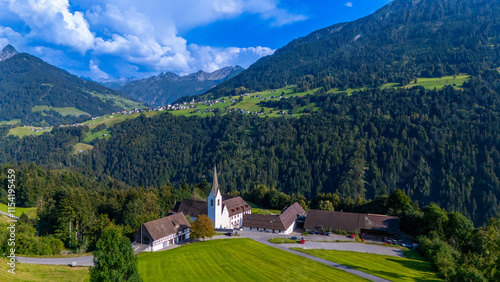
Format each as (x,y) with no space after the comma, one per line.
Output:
(351,222)
(284,223)
(162,232)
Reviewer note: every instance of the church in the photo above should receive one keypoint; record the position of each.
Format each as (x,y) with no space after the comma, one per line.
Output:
(225,211)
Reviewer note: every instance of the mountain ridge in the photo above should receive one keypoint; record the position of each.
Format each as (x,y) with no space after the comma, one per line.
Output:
(27,82)
(165,88)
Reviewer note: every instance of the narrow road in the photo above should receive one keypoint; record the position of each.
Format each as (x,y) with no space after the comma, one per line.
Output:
(8,214)
(80,261)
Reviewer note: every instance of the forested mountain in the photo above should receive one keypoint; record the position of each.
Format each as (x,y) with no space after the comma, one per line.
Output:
(435,145)
(401,41)
(26,82)
(166,88)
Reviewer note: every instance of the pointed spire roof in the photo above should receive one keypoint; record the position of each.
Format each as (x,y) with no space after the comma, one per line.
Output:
(215,185)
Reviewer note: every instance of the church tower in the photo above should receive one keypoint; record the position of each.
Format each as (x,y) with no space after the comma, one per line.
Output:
(215,203)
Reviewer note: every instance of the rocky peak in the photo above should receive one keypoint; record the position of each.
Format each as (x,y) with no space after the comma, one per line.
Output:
(7,52)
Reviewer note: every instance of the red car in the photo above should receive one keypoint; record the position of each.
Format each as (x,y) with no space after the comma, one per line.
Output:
(302,241)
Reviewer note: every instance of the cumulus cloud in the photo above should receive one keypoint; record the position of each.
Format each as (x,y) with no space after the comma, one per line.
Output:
(131,35)
(349,4)
(52,21)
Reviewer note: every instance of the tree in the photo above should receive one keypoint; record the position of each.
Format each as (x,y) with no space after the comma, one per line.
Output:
(326,206)
(114,258)
(202,227)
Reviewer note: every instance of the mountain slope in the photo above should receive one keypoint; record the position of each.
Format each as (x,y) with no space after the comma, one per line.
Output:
(167,87)
(401,41)
(33,91)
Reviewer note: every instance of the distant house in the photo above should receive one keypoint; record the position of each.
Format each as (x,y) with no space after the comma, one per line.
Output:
(162,232)
(284,223)
(351,222)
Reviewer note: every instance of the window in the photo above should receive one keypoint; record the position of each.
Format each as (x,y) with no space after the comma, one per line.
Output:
(218,202)
(211,203)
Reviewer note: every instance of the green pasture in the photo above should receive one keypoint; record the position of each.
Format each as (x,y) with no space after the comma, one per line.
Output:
(65,111)
(411,268)
(234,260)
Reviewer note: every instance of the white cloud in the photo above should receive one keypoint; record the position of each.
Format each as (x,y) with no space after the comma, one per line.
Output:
(123,35)
(349,4)
(51,20)
(210,59)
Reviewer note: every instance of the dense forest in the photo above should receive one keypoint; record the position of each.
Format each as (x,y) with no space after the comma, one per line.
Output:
(436,145)
(401,41)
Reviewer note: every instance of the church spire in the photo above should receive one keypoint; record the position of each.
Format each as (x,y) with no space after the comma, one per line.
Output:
(215,185)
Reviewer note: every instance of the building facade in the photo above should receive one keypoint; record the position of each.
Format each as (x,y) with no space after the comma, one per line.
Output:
(163,232)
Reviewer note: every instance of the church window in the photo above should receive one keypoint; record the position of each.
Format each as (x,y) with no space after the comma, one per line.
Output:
(211,202)
(218,202)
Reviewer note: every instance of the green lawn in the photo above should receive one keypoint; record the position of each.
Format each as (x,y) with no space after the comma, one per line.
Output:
(30,212)
(283,241)
(440,82)
(119,101)
(66,111)
(25,131)
(411,268)
(35,272)
(82,146)
(234,260)
(10,122)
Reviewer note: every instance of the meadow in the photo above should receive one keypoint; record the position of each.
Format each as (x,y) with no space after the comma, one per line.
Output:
(30,212)
(234,260)
(35,272)
(411,268)
(63,111)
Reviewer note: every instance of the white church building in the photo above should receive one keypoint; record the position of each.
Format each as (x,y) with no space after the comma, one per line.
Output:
(225,211)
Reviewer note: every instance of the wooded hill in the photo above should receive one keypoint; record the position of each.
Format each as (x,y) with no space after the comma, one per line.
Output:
(401,41)
(435,145)
(27,82)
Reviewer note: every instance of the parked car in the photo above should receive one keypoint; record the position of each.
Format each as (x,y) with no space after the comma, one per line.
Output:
(293,238)
(329,234)
(229,234)
(352,235)
(302,241)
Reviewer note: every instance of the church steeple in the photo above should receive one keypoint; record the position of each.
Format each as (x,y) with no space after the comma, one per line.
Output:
(215,185)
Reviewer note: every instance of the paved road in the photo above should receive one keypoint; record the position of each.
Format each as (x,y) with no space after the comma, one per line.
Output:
(8,214)
(80,261)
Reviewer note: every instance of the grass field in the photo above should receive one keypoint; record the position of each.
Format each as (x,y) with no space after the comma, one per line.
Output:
(234,260)
(109,120)
(30,212)
(440,82)
(411,268)
(283,241)
(25,131)
(256,209)
(83,147)
(66,111)
(35,272)
(119,101)
(10,122)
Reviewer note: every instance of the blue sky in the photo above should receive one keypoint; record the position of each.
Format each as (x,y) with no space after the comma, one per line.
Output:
(132,38)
